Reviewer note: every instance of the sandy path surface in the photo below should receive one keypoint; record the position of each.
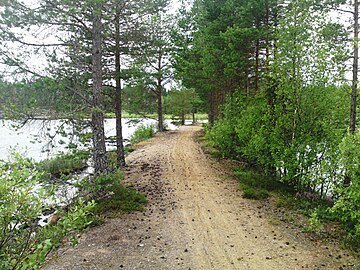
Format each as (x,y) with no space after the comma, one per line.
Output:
(195,219)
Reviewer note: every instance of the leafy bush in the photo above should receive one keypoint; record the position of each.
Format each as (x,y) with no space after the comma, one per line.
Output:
(347,205)
(223,137)
(142,133)
(314,224)
(23,244)
(19,208)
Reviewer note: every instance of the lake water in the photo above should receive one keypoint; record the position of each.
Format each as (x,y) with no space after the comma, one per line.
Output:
(31,142)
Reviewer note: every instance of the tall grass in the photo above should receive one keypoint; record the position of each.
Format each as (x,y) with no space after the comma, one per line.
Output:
(64,164)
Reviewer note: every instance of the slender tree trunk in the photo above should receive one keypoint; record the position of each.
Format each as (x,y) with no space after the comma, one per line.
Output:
(355,69)
(347,179)
(211,108)
(160,108)
(182,118)
(118,98)
(159,92)
(246,81)
(99,151)
(257,66)
(267,25)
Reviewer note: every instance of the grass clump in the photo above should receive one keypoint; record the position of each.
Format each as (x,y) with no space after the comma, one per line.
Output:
(122,200)
(64,164)
(257,186)
(111,197)
(142,133)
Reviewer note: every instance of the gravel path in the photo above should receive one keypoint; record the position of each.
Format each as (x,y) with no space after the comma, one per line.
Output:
(195,219)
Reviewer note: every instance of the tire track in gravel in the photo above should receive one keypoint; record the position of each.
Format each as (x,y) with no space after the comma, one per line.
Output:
(195,220)
(226,231)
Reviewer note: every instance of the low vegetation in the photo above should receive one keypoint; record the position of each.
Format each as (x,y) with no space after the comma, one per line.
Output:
(142,133)
(256,185)
(113,198)
(64,164)
(308,210)
(23,243)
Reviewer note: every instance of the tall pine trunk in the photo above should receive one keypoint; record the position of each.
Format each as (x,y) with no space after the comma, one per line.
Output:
(257,66)
(355,69)
(211,105)
(159,93)
(99,151)
(118,98)
(160,108)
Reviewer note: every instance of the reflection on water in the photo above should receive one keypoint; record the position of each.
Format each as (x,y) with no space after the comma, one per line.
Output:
(31,139)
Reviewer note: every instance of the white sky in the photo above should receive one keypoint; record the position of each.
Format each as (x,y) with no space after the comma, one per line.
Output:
(38,60)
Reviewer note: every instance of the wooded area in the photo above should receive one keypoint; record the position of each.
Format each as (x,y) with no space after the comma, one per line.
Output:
(278,78)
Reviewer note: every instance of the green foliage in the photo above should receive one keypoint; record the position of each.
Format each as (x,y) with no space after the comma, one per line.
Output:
(122,200)
(223,137)
(314,224)
(64,164)
(99,186)
(182,102)
(258,186)
(112,198)
(256,194)
(138,99)
(347,205)
(37,258)
(23,244)
(142,133)
(80,216)
(19,208)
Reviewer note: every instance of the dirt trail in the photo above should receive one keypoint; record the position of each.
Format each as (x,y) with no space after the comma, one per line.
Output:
(195,219)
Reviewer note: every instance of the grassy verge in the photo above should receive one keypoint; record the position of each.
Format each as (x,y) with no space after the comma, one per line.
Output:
(310,214)
(305,211)
(112,198)
(258,186)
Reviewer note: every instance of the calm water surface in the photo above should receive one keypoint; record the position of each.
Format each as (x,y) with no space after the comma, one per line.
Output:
(31,142)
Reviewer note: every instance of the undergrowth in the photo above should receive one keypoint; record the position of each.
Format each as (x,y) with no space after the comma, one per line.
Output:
(142,133)
(112,198)
(258,186)
(316,211)
(64,164)
(23,199)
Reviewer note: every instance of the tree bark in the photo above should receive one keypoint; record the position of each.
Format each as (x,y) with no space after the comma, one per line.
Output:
(211,108)
(120,153)
(159,92)
(257,66)
(160,109)
(183,119)
(99,151)
(355,69)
